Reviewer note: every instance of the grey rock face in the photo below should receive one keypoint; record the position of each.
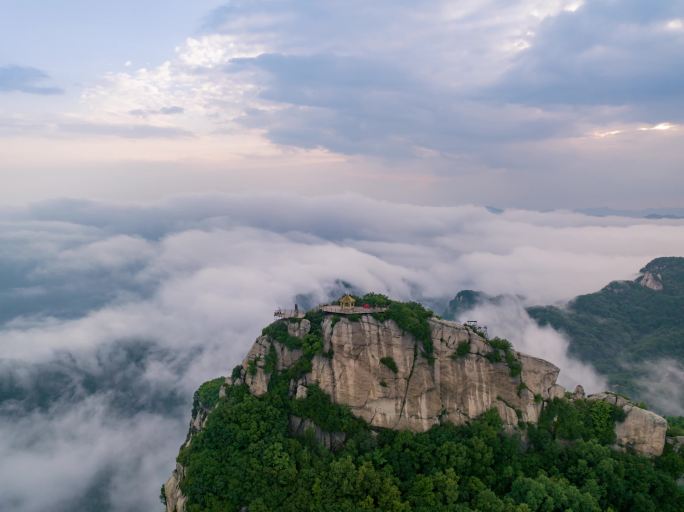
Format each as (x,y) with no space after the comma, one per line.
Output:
(652,281)
(175,500)
(421,393)
(331,440)
(258,380)
(642,431)
(677,443)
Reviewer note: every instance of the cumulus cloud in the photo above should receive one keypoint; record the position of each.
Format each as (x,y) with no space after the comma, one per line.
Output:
(116,313)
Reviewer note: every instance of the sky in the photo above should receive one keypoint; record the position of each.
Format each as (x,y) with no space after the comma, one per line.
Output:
(537,104)
(171,172)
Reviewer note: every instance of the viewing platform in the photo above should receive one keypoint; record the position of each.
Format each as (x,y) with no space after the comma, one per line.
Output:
(346,306)
(352,310)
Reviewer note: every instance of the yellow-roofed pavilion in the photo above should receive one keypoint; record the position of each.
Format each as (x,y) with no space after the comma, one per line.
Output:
(347,302)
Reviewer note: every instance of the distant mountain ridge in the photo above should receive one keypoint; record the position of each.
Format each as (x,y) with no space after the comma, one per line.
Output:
(648,213)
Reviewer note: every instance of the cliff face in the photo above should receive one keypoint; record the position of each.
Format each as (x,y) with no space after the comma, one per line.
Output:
(455,386)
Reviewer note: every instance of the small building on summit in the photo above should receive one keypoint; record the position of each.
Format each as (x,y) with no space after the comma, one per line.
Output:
(347,302)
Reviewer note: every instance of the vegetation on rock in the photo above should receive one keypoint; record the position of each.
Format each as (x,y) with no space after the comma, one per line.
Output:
(503,351)
(581,419)
(411,317)
(245,456)
(207,395)
(278,331)
(389,363)
(463,349)
(675,425)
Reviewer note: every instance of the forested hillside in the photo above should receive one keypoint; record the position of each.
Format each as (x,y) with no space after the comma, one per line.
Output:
(625,323)
(246,457)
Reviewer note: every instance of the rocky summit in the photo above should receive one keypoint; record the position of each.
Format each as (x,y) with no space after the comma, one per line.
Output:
(459,381)
(403,369)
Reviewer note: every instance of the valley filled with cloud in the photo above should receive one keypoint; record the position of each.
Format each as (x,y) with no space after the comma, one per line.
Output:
(112,314)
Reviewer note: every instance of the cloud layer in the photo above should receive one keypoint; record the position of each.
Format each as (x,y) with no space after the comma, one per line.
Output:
(113,314)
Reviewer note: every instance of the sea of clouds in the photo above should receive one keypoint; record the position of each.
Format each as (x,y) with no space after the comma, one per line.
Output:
(111,315)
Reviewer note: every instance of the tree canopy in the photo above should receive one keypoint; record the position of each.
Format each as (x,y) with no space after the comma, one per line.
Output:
(246,457)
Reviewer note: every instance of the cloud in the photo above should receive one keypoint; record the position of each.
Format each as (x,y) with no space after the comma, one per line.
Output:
(130,131)
(662,385)
(359,105)
(533,103)
(328,77)
(84,459)
(25,79)
(603,53)
(163,111)
(119,311)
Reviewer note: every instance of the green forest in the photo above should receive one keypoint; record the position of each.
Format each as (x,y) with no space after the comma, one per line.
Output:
(246,457)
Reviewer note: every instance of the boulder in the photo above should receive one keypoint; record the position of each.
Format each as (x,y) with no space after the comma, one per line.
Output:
(641,431)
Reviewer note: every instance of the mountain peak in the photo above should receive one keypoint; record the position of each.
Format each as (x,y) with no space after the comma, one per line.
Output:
(331,386)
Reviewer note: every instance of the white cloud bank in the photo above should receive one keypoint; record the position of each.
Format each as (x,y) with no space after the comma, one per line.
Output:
(195,279)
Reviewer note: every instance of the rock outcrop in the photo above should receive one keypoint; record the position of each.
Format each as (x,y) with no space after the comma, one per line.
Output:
(422,392)
(677,443)
(651,280)
(418,392)
(174,497)
(386,377)
(175,500)
(331,440)
(641,431)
